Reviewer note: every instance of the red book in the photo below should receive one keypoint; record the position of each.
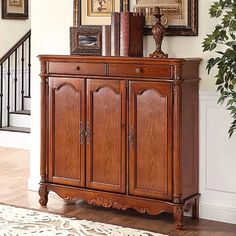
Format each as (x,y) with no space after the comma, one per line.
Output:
(115,34)
(106,40)
(131,34)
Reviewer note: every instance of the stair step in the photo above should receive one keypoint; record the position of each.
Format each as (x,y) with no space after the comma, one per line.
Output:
(16,129)
(21,112)
(21,119)
(27,103)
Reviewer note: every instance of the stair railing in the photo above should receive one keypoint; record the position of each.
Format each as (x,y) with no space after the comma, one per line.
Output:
(15,78)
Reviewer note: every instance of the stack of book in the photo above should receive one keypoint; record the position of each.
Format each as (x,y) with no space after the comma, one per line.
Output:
(124,37)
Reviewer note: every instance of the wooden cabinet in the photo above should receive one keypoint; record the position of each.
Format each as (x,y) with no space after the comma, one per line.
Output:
(150,139)
(118,132)
(105,124)
(66,107)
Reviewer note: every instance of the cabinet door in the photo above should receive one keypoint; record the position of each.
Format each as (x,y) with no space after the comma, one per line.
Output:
(150,139)
(105,135)
(66,131)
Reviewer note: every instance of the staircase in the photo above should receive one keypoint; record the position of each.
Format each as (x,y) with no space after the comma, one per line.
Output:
(15,95)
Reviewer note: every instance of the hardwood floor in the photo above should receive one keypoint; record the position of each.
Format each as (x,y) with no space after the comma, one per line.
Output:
(14,172)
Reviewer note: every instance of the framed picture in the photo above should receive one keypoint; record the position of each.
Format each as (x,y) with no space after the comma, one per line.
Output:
(182,15)
(100,7)
(96,12)
(88,18)
(86,40)
(15,9)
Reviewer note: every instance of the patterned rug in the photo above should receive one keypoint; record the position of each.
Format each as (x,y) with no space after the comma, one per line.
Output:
(20,222)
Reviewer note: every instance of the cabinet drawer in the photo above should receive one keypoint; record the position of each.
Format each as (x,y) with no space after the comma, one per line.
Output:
(137,70)
(77,68)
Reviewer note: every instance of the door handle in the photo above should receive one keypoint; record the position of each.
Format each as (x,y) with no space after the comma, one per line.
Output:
(131,137)
(88,133)
(82,132)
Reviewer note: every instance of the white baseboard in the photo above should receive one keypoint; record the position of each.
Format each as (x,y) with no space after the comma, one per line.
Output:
(217,213)
(33,183)
(15,140)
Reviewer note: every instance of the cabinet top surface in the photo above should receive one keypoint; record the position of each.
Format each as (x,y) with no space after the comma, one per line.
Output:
(73,58)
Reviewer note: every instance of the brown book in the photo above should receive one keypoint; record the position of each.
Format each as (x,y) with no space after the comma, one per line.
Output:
(131,34)
(115,34)
(106,40)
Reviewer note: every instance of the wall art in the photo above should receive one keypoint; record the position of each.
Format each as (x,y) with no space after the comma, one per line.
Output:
(100,7)
(96,12)
(182,15)
(86,40)
(15,9)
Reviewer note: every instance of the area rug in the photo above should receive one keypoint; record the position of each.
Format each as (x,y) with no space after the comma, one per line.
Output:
(16,221)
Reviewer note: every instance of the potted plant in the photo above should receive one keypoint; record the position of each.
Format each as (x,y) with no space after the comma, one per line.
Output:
(222,42)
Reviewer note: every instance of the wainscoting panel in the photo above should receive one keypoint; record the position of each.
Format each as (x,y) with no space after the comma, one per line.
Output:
(217,161)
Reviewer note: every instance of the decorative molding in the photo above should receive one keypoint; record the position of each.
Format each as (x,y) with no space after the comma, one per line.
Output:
(148,210)
(43,178)
(71,198)
(177,86)
(177,198)
(43,193)
(43,68)
(207,108)
(107,203)
(216,203)
(179,217)
(188,206)
(114,203)
(178,72)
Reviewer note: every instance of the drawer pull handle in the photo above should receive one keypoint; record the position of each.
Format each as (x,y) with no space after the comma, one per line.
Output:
(76,68)
(138,70)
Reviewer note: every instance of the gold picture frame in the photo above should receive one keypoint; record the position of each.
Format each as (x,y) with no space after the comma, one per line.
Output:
(186,21)
(83,14)
(99,8)
(181,15)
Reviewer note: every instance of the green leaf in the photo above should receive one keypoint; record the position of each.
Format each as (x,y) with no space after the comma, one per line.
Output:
(213,46)
(233,36)
(224,35)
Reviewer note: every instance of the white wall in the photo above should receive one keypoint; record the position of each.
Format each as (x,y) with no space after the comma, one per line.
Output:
(50,35)
(11,31)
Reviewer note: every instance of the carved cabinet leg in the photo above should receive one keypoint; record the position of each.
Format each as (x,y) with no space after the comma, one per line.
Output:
(43,193)
(195,207)
(178,215)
